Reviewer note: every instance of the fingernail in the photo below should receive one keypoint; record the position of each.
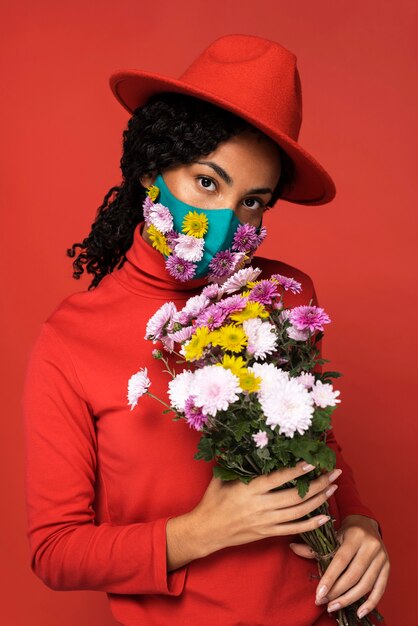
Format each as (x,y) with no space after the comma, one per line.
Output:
(334,475)
(292,545)
(321,591)
(308,467)
(322,600)
(331,490)
(362,613)
(334,607)
(323,520)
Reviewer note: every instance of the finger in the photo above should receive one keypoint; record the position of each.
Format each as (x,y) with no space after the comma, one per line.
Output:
(352,575)
(365,584)
(317,486)
(339,562)
(302,549)
(266,482)
(280,512)
(376,593)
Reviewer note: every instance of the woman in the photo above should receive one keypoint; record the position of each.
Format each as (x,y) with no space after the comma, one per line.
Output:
(116,501)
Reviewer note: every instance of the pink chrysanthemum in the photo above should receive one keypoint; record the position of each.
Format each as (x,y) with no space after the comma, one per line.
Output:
(179,336)
(264,292)
(296,334)
(171,238)
(245,238)
(261,439)
(222,263)
(306,317)
(261,235)
(307,379)
(158,322)
(213,291)
(180,268)
(215,388)
(288,283)
(179,389)
(195,305)
(212,317)
(233,304)
(240,279)
(138,385)
(323,394)
(194,414)
(189,248)
(147,205)
(160,216)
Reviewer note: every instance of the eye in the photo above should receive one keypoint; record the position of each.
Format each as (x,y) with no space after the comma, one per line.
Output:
(206,178)
(261,204)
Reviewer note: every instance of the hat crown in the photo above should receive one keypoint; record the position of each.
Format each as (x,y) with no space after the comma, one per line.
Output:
(251,72)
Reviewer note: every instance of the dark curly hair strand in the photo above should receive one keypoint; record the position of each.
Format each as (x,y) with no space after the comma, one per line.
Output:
(169,129)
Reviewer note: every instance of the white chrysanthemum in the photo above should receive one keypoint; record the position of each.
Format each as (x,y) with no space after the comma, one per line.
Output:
(307,379)
(297,335)
(189,248)
(324,395)
(272,378)
(284,315)
(160,216)
(156,323)
(137,385)
(179,389)
(214,389)
(290,408)
(262,339)
(240,279)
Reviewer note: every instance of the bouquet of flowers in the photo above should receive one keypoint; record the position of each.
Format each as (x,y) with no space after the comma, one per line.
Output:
(250,384)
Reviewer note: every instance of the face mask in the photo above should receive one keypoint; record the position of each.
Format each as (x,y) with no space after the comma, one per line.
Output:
(197,242)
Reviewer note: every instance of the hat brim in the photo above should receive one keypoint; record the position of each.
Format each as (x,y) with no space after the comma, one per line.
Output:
(311,185)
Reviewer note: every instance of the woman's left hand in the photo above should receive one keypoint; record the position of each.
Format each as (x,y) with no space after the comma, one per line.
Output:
(363,553)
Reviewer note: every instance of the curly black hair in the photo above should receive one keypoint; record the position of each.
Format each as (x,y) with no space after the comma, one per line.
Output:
(169,129)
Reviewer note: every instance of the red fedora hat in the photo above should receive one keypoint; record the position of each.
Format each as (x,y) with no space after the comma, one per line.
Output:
(254,78)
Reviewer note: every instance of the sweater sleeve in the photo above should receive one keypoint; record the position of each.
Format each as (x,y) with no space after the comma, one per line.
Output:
(68,550)
(347,495)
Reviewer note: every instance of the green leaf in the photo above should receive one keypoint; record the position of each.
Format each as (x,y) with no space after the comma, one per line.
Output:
(224,473)
(205,450)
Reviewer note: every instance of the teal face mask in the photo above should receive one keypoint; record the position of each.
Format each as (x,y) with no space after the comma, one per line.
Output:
(222,228)
(222,225)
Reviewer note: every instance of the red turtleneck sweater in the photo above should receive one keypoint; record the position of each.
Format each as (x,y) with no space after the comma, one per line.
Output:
(101,480)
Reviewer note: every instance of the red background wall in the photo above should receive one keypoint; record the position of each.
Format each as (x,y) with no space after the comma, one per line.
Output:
(61,130)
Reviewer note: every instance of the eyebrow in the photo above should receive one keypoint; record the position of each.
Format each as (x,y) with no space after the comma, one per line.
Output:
(227,178)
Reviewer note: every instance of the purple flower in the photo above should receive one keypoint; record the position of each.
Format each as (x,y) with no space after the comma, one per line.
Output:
(147,205)
(233,304)
(212,317)
(261,235)
(194,414)
(245,238)
(308,317)
(264,292)
(180,268)
(171,238)
(288,283)
(222,263)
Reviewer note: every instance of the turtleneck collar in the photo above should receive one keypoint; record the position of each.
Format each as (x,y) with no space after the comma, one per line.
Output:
(144,272)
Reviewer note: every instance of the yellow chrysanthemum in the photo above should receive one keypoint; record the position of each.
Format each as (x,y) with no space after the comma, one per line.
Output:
(158,240)
(194,348)
(230,337)
(153,192)
(236,364)
(249,381)
(245,293)
(195,224)
(252,309)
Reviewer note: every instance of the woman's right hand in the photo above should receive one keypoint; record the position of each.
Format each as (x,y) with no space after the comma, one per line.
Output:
(232,513)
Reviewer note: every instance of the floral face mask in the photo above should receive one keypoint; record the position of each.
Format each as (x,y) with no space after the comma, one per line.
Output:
(197,242)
